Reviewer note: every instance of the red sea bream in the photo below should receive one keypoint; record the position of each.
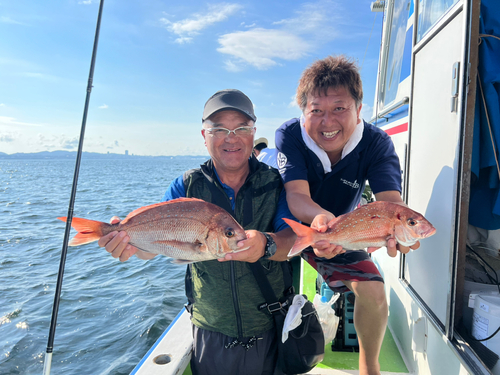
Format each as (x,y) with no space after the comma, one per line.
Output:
(187,229)
(369,226)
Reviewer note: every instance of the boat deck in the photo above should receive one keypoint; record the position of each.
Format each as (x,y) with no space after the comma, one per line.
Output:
(172,351)
(343,362)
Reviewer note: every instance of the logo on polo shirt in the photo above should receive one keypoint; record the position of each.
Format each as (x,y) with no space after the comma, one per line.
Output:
(281,160)
(354,184)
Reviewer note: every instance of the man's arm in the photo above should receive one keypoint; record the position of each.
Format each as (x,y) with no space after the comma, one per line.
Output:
(306,210)
(392,246)
(301,204)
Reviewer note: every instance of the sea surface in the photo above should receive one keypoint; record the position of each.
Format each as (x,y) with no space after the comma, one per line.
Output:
(110,312)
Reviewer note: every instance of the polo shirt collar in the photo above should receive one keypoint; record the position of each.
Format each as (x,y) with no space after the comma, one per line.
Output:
(351,144)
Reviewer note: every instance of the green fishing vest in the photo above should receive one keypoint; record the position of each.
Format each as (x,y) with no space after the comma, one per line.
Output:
(224,295)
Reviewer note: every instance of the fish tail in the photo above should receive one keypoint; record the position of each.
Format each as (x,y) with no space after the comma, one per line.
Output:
(88,230)
(304,236)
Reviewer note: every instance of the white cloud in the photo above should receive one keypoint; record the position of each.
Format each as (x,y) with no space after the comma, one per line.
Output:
(291,39)
(33,75)
(69,144)
(187,28)
(311,17)
(7,137)
(232,67)
(2,104)
(4,120)
(366,112)
(50,142)
(42,76)
(293,102)
(104,106)
(85,2)
(4,19)
(261,47)
(183,40)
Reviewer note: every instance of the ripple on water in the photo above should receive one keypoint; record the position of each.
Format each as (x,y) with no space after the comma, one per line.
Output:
(110,312)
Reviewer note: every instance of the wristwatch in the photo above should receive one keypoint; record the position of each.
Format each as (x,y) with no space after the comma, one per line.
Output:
(270,248)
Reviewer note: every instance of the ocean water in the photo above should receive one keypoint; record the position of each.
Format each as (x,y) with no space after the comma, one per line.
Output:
(110,312)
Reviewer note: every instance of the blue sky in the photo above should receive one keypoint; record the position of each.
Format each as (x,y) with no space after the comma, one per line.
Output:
(159,61)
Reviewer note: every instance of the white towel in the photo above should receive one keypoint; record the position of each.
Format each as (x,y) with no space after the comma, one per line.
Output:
(293,316)
(321,154)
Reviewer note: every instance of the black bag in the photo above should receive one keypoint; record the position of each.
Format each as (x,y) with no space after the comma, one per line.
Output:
(305,346)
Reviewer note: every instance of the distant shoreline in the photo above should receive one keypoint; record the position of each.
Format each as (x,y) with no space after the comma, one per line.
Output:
(71,155)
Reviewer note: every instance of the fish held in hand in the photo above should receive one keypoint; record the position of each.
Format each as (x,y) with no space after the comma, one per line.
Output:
(369,226)
(186,229)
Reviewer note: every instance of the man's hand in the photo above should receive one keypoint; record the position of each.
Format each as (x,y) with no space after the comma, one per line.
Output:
(117,244)
(323,248)
(393,247)
(255,242)
(320,222)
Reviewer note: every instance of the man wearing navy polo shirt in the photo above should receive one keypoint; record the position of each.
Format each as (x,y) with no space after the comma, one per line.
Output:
(325,159)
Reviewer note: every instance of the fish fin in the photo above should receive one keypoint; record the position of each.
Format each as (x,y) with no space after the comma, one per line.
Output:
(372,249)
(304,236)
(145,208)
(88,230)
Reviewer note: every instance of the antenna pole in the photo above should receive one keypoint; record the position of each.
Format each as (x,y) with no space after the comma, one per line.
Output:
(55,307)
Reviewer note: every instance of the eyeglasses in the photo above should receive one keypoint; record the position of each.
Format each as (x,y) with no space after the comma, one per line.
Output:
(243,131)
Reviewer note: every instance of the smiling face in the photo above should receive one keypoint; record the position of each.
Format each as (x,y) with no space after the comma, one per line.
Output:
(331,119)
(229,153)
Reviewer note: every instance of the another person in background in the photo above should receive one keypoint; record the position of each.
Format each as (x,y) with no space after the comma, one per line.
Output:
(265,154)
(258,145)
(231,334)
(325,159)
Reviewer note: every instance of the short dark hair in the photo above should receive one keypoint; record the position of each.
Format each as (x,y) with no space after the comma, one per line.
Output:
(332,71)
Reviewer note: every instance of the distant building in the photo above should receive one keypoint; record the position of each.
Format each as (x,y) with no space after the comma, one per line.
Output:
(126,152)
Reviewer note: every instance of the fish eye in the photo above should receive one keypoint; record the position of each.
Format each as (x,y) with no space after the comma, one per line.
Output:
(412,222)
(230,232)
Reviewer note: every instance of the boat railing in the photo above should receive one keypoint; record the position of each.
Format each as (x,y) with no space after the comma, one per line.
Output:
(404,101)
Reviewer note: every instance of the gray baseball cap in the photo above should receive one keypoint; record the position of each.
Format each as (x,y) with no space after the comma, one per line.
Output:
(229,99)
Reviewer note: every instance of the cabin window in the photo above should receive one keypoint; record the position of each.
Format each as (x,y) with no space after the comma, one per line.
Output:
(429,12)
(395,52)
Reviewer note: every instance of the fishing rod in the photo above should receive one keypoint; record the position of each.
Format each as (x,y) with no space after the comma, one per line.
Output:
(55,307)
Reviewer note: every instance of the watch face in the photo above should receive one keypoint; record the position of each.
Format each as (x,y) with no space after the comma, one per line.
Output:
(270,246)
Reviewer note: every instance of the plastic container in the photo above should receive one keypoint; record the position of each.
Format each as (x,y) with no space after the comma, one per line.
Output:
(329,321)
(471,287)
(486,320)
(326,291)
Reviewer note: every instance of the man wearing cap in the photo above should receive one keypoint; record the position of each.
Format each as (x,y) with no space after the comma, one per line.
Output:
(265,154)
(231,334)
(258,145)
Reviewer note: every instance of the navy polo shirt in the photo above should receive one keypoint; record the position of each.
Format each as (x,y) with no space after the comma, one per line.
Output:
(339,191)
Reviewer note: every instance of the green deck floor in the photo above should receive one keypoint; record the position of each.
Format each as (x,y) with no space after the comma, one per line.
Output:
(390,359)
